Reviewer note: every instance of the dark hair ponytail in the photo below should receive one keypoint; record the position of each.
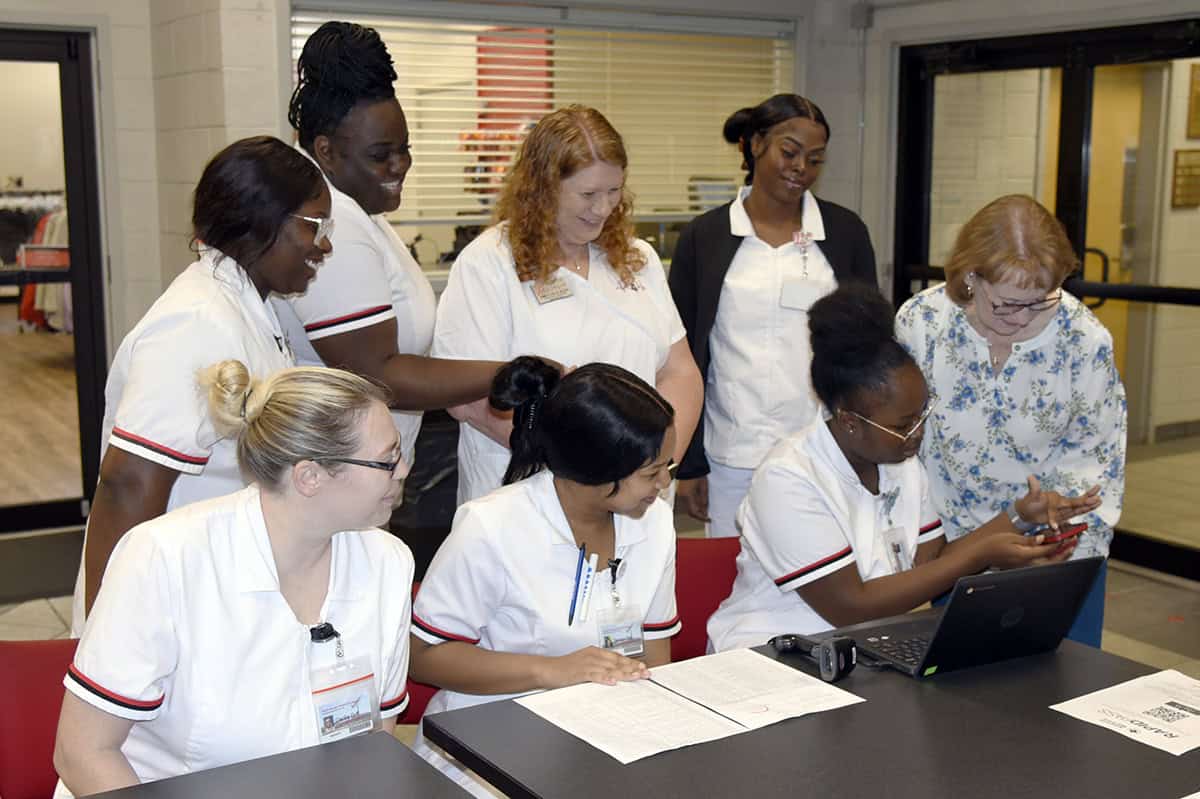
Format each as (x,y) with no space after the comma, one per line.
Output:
(854,344)
(742,124)
(596,425)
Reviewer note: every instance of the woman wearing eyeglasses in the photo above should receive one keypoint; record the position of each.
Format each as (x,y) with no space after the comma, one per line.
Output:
(1027,379)
(258,222)
(262,621)
(838,527)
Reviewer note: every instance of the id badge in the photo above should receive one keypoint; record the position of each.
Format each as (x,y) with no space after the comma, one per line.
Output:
(620,630)
(345,699)
(800,294)
(895,544)
(551,290)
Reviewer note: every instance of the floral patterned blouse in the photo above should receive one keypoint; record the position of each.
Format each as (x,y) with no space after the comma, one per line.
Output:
(1056,409)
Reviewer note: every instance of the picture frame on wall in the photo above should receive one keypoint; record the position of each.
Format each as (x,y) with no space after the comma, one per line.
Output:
(1193,113)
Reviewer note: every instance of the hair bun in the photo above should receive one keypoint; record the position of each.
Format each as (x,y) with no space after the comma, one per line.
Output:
(521,381)
(851,323)
(233,400)
(736,126)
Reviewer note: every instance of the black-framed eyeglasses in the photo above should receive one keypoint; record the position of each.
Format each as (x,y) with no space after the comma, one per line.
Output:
(324,228)
(904,437)
(1014,308)
(398,468)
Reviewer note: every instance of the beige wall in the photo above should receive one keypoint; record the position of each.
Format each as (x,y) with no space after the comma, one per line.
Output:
(31,126)
(1175,380)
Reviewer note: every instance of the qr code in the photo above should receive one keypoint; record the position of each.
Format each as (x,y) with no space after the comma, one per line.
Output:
(1167,714)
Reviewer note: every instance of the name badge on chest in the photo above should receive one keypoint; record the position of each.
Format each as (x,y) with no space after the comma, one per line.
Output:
(895,544)
(551,290)
(345,695)
(800,294)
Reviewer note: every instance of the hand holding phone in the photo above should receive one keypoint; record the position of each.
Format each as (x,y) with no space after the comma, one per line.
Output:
(1065,533)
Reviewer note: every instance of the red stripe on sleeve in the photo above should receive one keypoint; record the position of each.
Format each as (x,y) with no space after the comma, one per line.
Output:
(145,442)
(812,567)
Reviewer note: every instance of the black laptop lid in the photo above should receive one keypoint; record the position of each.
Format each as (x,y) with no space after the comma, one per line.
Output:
(1008,614)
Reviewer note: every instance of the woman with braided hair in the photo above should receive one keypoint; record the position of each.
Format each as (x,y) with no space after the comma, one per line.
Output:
(370,308)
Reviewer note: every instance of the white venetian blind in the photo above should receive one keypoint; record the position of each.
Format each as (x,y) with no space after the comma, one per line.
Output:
(471,89)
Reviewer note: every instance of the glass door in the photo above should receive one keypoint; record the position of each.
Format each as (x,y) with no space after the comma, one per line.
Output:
(1099,126)
(52,342)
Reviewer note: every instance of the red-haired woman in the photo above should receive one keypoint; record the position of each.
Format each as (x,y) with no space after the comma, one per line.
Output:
(1026,381)
(561,275)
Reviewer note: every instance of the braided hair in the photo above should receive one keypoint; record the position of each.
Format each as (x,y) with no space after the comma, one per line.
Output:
(341,65)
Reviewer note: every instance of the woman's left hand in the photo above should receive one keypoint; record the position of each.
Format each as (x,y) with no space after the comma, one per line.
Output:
(1052,508)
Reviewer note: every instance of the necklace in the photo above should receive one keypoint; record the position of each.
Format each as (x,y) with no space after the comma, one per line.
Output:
(575,266)
(802,238)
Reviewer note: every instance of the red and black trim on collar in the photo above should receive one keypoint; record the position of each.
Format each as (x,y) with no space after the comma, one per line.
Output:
(145,706)
(357,316)
(812,567)
(429,629)
(175,455)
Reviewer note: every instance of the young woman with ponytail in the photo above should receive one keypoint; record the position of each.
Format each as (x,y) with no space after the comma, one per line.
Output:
(216,622)
(511,603)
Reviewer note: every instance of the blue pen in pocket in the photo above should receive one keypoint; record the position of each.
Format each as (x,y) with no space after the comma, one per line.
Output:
(575,589)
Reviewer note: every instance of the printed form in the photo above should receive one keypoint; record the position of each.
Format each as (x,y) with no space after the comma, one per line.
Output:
(694,701)
(1160,710)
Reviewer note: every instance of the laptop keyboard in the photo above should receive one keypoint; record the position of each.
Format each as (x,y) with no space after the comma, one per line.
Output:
(909,649)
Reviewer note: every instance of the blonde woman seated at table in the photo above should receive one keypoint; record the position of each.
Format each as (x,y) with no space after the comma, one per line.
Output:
(838,527)
(259,622)
(505,607)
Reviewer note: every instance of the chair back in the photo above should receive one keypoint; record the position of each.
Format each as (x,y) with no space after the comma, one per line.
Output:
(704,573)
(31,694)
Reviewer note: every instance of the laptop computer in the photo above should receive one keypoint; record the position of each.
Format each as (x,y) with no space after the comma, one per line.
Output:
(990,617)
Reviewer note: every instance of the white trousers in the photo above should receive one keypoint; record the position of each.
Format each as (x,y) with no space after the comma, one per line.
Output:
(727,487)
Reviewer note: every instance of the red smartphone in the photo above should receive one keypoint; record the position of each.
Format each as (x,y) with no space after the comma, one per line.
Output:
(1065,533)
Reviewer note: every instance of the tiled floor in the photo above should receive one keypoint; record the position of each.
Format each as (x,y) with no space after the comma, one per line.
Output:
(1149,618)
(1161,482)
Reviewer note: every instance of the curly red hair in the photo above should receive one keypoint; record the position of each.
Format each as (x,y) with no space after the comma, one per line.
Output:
(562,143)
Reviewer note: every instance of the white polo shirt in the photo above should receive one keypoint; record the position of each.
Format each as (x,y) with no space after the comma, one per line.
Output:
(369,277)
(759,388)
(154,405)
(504,579)
(191,638)
(807,516)
(487,313)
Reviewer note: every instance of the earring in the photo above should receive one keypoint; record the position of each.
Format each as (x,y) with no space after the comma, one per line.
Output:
(971,284)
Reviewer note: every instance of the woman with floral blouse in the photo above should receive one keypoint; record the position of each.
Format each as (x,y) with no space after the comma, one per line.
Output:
(1026,382)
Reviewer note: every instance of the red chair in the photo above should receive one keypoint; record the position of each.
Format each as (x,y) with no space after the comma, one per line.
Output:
(419,693)
(704,573)
(31,693)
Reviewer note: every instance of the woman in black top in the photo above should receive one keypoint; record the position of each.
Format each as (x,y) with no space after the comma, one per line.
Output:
(743,277)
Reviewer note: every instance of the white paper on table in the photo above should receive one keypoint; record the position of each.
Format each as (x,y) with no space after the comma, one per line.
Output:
(629,720)
(1160,710)
(750,688)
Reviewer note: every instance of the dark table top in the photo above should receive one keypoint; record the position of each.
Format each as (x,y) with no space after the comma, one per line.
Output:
(982,732)
(374,766)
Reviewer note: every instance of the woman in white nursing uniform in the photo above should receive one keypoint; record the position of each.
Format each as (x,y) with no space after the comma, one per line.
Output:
(370,308)
(838,527)
(562,276)
(567,573)
(743,277)
(260,220)
(258,622)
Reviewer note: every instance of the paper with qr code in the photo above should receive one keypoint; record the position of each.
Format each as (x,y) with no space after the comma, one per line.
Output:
(1160,710)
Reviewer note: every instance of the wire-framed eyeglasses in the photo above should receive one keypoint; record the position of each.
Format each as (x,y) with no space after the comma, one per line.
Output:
(324,227)
(1014,308)
(904,437)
